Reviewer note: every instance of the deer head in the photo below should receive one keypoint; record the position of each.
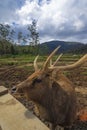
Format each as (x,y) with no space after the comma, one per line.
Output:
(52,91)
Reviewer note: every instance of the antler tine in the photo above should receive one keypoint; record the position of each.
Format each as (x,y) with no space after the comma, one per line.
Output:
(57,59)
(72,66)
(49,57)
(50,62)
(35,63)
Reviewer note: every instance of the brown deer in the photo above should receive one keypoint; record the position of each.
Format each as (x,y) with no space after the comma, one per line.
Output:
(52,92)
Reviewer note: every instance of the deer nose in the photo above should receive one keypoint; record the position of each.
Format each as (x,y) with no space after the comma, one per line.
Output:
(13,90)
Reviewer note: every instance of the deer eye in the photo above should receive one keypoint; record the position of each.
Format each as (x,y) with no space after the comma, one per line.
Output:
(37,81)
(47,75)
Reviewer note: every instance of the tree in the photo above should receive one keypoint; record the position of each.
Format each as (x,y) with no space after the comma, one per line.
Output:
(43,49)
(6,39)
(19,36)
(12,49)
(11,37)
(4,31)
(24,40)
(34,37)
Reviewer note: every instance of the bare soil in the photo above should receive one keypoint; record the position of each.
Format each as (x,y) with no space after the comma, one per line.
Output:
(10,76)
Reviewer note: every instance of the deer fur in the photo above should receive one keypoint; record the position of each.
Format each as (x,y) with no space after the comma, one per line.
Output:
(52,92)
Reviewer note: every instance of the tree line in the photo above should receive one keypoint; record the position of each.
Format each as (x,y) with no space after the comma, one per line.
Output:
(8,43)
(28,43)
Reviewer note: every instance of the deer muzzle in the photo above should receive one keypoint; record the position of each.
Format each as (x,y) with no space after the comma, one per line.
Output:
(13,90)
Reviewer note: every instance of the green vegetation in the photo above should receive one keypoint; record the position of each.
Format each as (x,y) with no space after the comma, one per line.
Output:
(8,46)
(28,59)
(84,73)
(19,60)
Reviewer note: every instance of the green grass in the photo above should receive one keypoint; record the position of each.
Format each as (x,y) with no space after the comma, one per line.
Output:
(25,59)
(84,73)
(17,60)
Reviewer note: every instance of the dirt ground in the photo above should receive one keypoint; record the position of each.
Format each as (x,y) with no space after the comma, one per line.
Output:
(10,76)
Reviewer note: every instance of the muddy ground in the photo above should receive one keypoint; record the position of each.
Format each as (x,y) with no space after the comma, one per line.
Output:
(10,76)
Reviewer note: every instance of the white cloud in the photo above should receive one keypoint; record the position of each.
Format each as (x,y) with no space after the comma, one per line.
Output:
(44,13)
(78,25)
(56,19)
(8,8)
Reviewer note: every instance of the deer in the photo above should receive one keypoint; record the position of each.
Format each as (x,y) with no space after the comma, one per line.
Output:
(52,92)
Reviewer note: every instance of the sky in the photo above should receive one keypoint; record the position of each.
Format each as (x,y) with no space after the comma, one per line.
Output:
(56,19)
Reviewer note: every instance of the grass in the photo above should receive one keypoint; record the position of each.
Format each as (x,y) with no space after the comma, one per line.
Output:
(25,59)
(17,60)
(84,73)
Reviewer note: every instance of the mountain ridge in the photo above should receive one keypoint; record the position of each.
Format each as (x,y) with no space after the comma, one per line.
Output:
(66,46)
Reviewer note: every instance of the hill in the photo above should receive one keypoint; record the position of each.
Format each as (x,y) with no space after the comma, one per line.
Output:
(66,47)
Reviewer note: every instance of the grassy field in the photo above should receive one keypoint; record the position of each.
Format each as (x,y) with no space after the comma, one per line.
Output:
(25,59)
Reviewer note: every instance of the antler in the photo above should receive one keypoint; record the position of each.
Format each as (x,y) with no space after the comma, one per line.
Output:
(72,66)
(35,63)
(49,57)
(52,67)
(55,61)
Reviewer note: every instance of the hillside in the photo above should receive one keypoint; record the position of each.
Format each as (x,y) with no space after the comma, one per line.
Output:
(66,47)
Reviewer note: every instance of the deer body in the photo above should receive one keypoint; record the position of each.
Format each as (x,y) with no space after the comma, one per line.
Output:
(52,92)
(56,103)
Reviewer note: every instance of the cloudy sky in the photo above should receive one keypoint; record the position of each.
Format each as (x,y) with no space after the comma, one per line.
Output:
(56,19)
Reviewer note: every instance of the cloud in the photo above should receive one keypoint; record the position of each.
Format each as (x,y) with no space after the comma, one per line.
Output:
(56,19)
(8,8)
